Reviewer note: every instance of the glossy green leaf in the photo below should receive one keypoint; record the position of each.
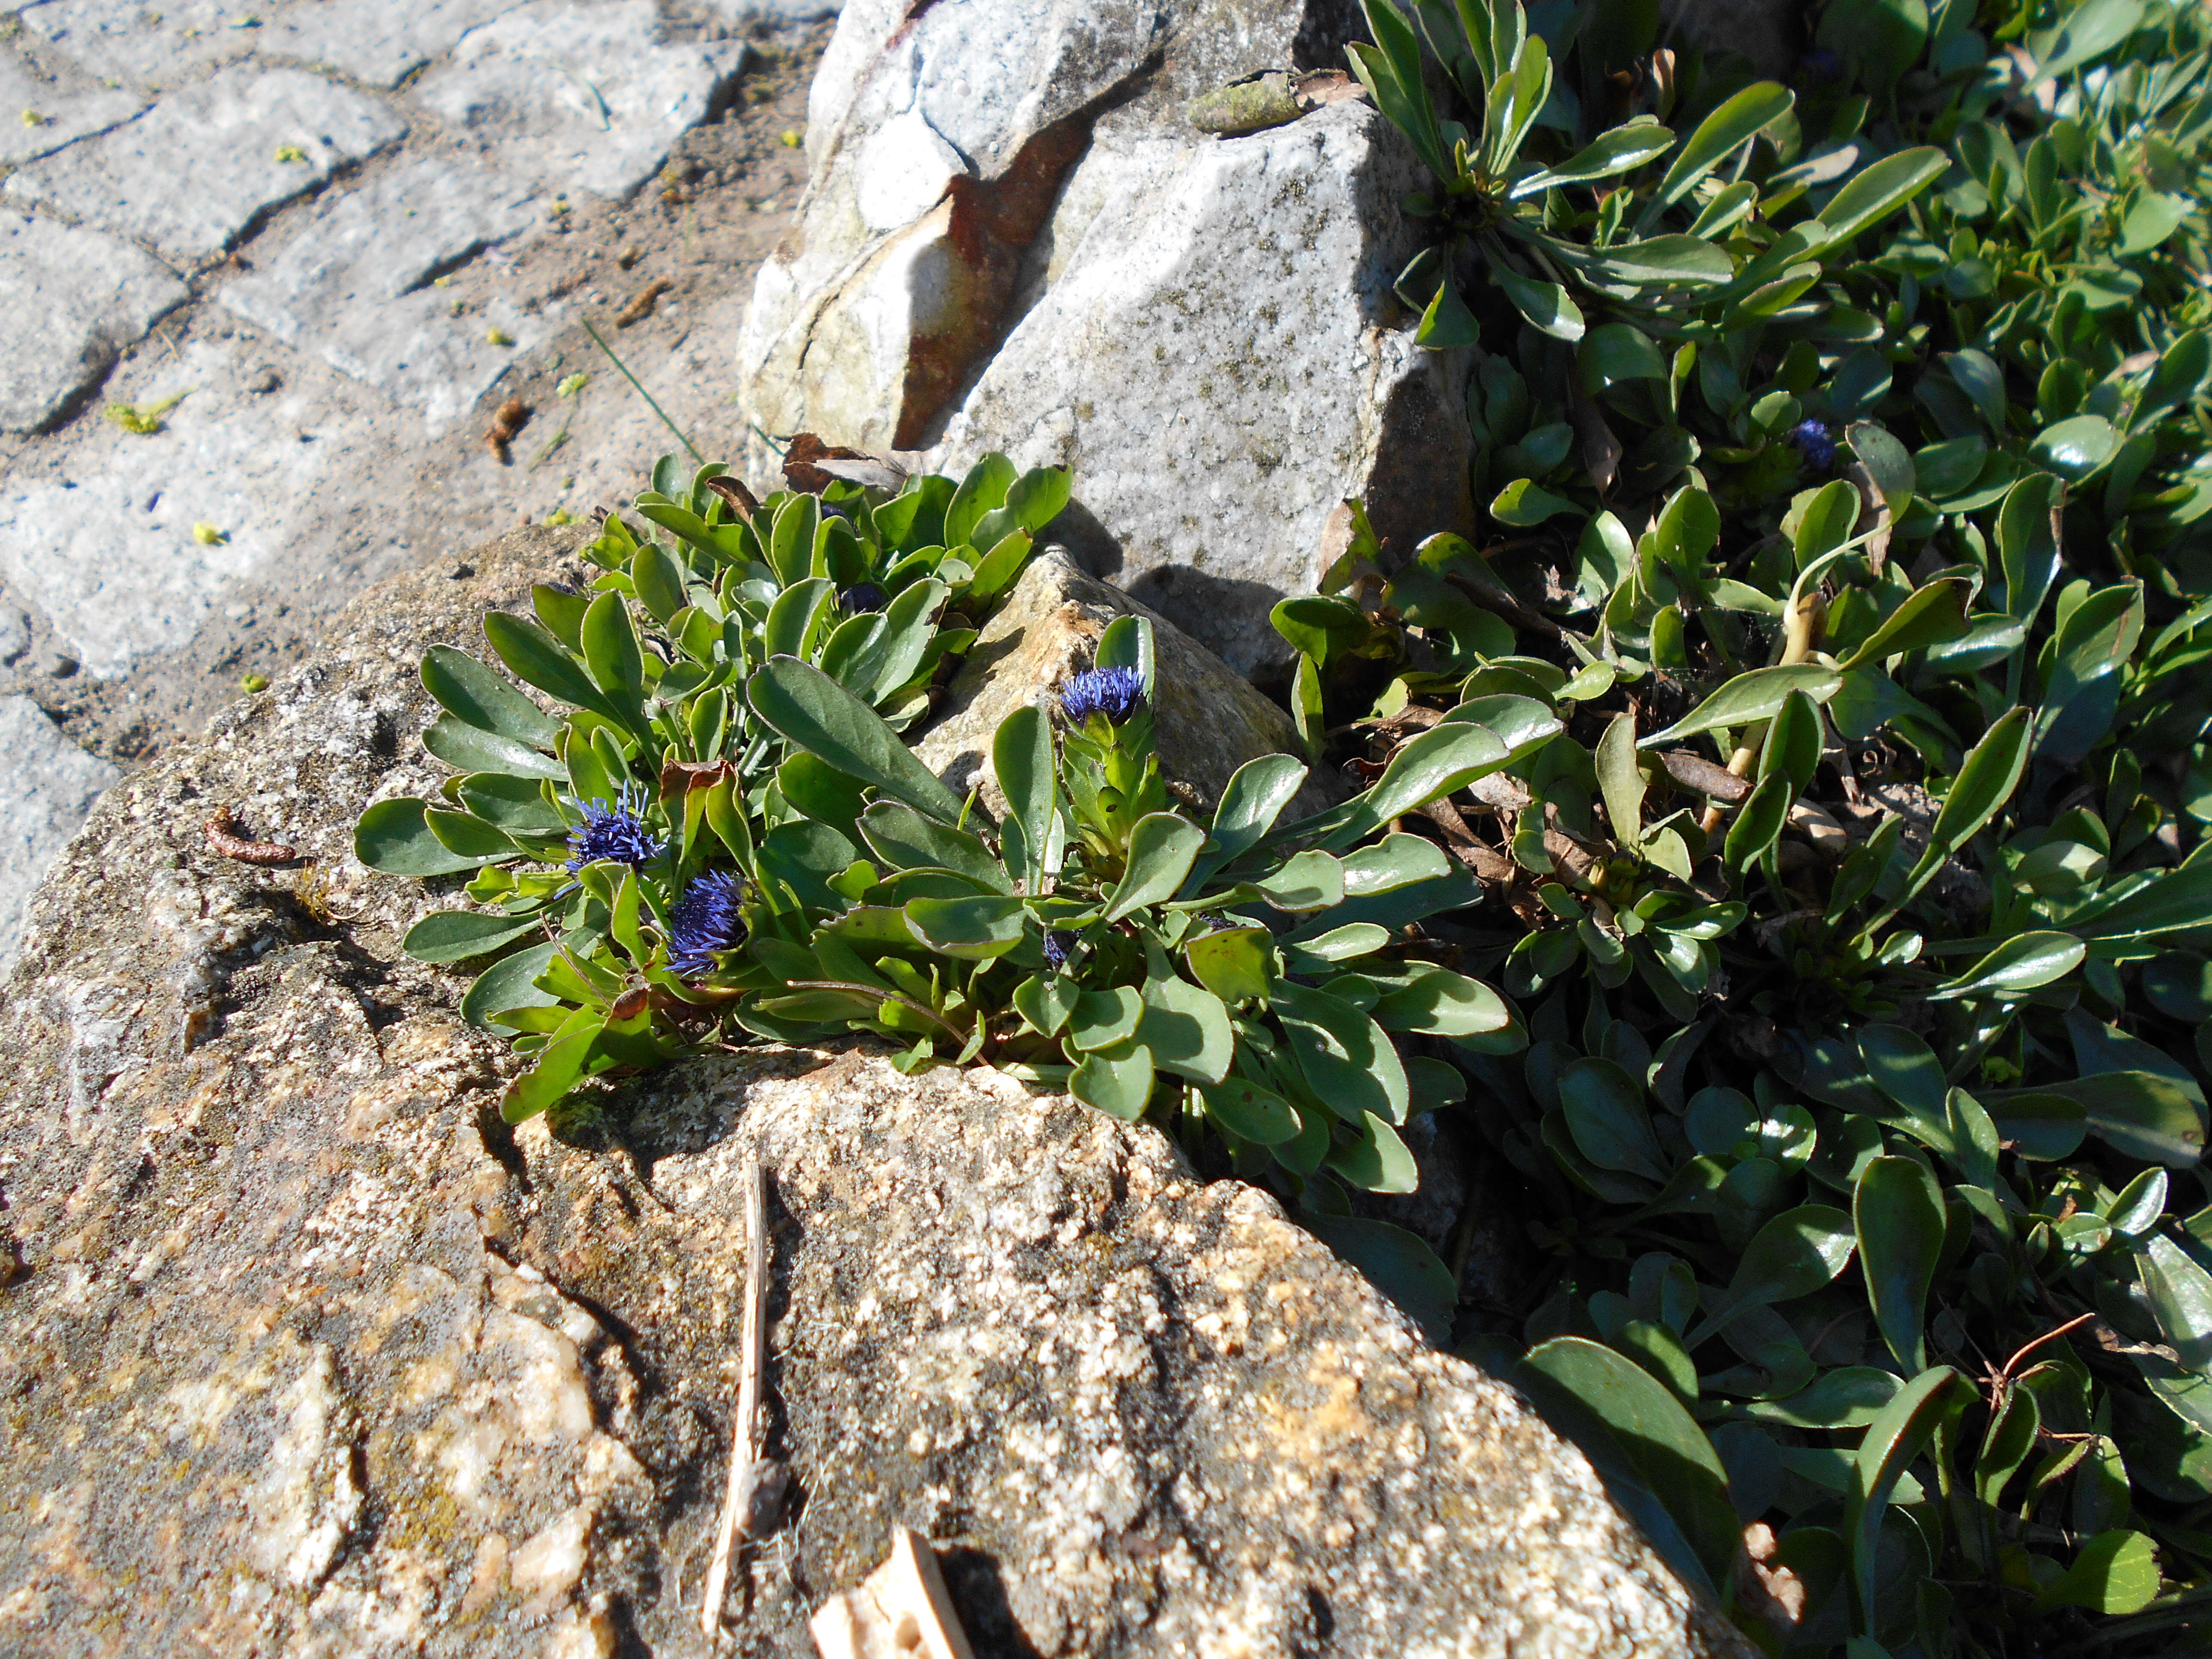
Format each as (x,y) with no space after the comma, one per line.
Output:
(475,694)
(537,659)
(1442,1003)
(1605,1114)
(457,935)
(1117,1082)
(1891,1440)
(1235,964)
(1187,1029)
(2116,1572)
(508,984)
(1105,1019)
(1736,122)
(395,837)
(1898,1211)
(1756,695)
(471,749)
(1250,1112)
(1647,1426)
(811,710)
(1162,848)
(1931,616)
(2018,966)
(905,840)
(1397,1262)
(977,927)
(1546,306)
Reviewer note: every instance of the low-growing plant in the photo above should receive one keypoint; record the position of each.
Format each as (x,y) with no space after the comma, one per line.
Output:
(658,766)
(1859,916)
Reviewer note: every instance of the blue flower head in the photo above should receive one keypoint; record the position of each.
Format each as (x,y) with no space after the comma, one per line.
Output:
(860,598)
(705,922)
(614,834)
(1057,944)
(1812,440)
(1116,693)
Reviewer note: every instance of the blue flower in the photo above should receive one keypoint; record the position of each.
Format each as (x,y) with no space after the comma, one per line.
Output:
(705,922)
(1057,944)
(1116,693)
(1812,438)
(614,834)
(860,597)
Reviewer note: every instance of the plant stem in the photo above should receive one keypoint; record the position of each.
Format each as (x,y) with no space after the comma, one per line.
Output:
(643,393)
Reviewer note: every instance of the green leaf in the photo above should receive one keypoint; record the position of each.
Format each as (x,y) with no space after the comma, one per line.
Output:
(1544,305)
(612,651)
(1736,122)
(507,984)
(471,749)
(1447,324)
(1646,1428)
(1118,1084)
(1021,758)
(537,659)
(2180,1296)
(2155,217)
(1251,1113)
(1105,1019)
(805,706)
(1929,615)
(1792,1256)
(904,839)
(1659,261)
(1880,39)
(1621,780)
(1756,695)
(457,935)
(1440,760)
(658,581)
(560,1068)
(2075,449)
(1891,1440)
(1605,1113)
(1623,149)
(1848,1397)
(1758,823)
(395,837)
(2116,1572)
(1523,503)
(1443,1003)
(977,927)
(1311,880)
(1162,848)
(2028,542)
(1985,782)
(475,694)
(1898,1212)
(2018,966)
(1376,1160)
(1235,964)
(1875,192)
(983,490)
(1187,1029)
(1347,1059)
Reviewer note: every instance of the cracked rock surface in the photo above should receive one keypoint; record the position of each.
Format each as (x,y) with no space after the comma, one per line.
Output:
(302,1353)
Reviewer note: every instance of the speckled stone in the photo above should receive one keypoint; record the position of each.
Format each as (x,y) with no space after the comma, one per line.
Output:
(302,1352)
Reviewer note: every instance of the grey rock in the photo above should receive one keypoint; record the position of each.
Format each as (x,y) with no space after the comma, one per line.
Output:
(195,170)
(48,787)
(1208,721)
(1214,355)
(108,553)
(70,299)
(307,1353)
(587,97)
(1012,238)
(377,41)
(774,13)
(349,285)
(65,112)
(156,44)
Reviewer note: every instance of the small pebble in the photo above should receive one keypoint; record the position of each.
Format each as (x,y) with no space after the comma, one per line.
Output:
(264,380)
(462,571)
(57,665)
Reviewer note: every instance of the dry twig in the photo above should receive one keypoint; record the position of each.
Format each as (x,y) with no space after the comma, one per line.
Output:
(756,1483)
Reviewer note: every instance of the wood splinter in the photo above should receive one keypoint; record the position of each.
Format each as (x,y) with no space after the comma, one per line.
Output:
(756,1491)
(900,1609)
